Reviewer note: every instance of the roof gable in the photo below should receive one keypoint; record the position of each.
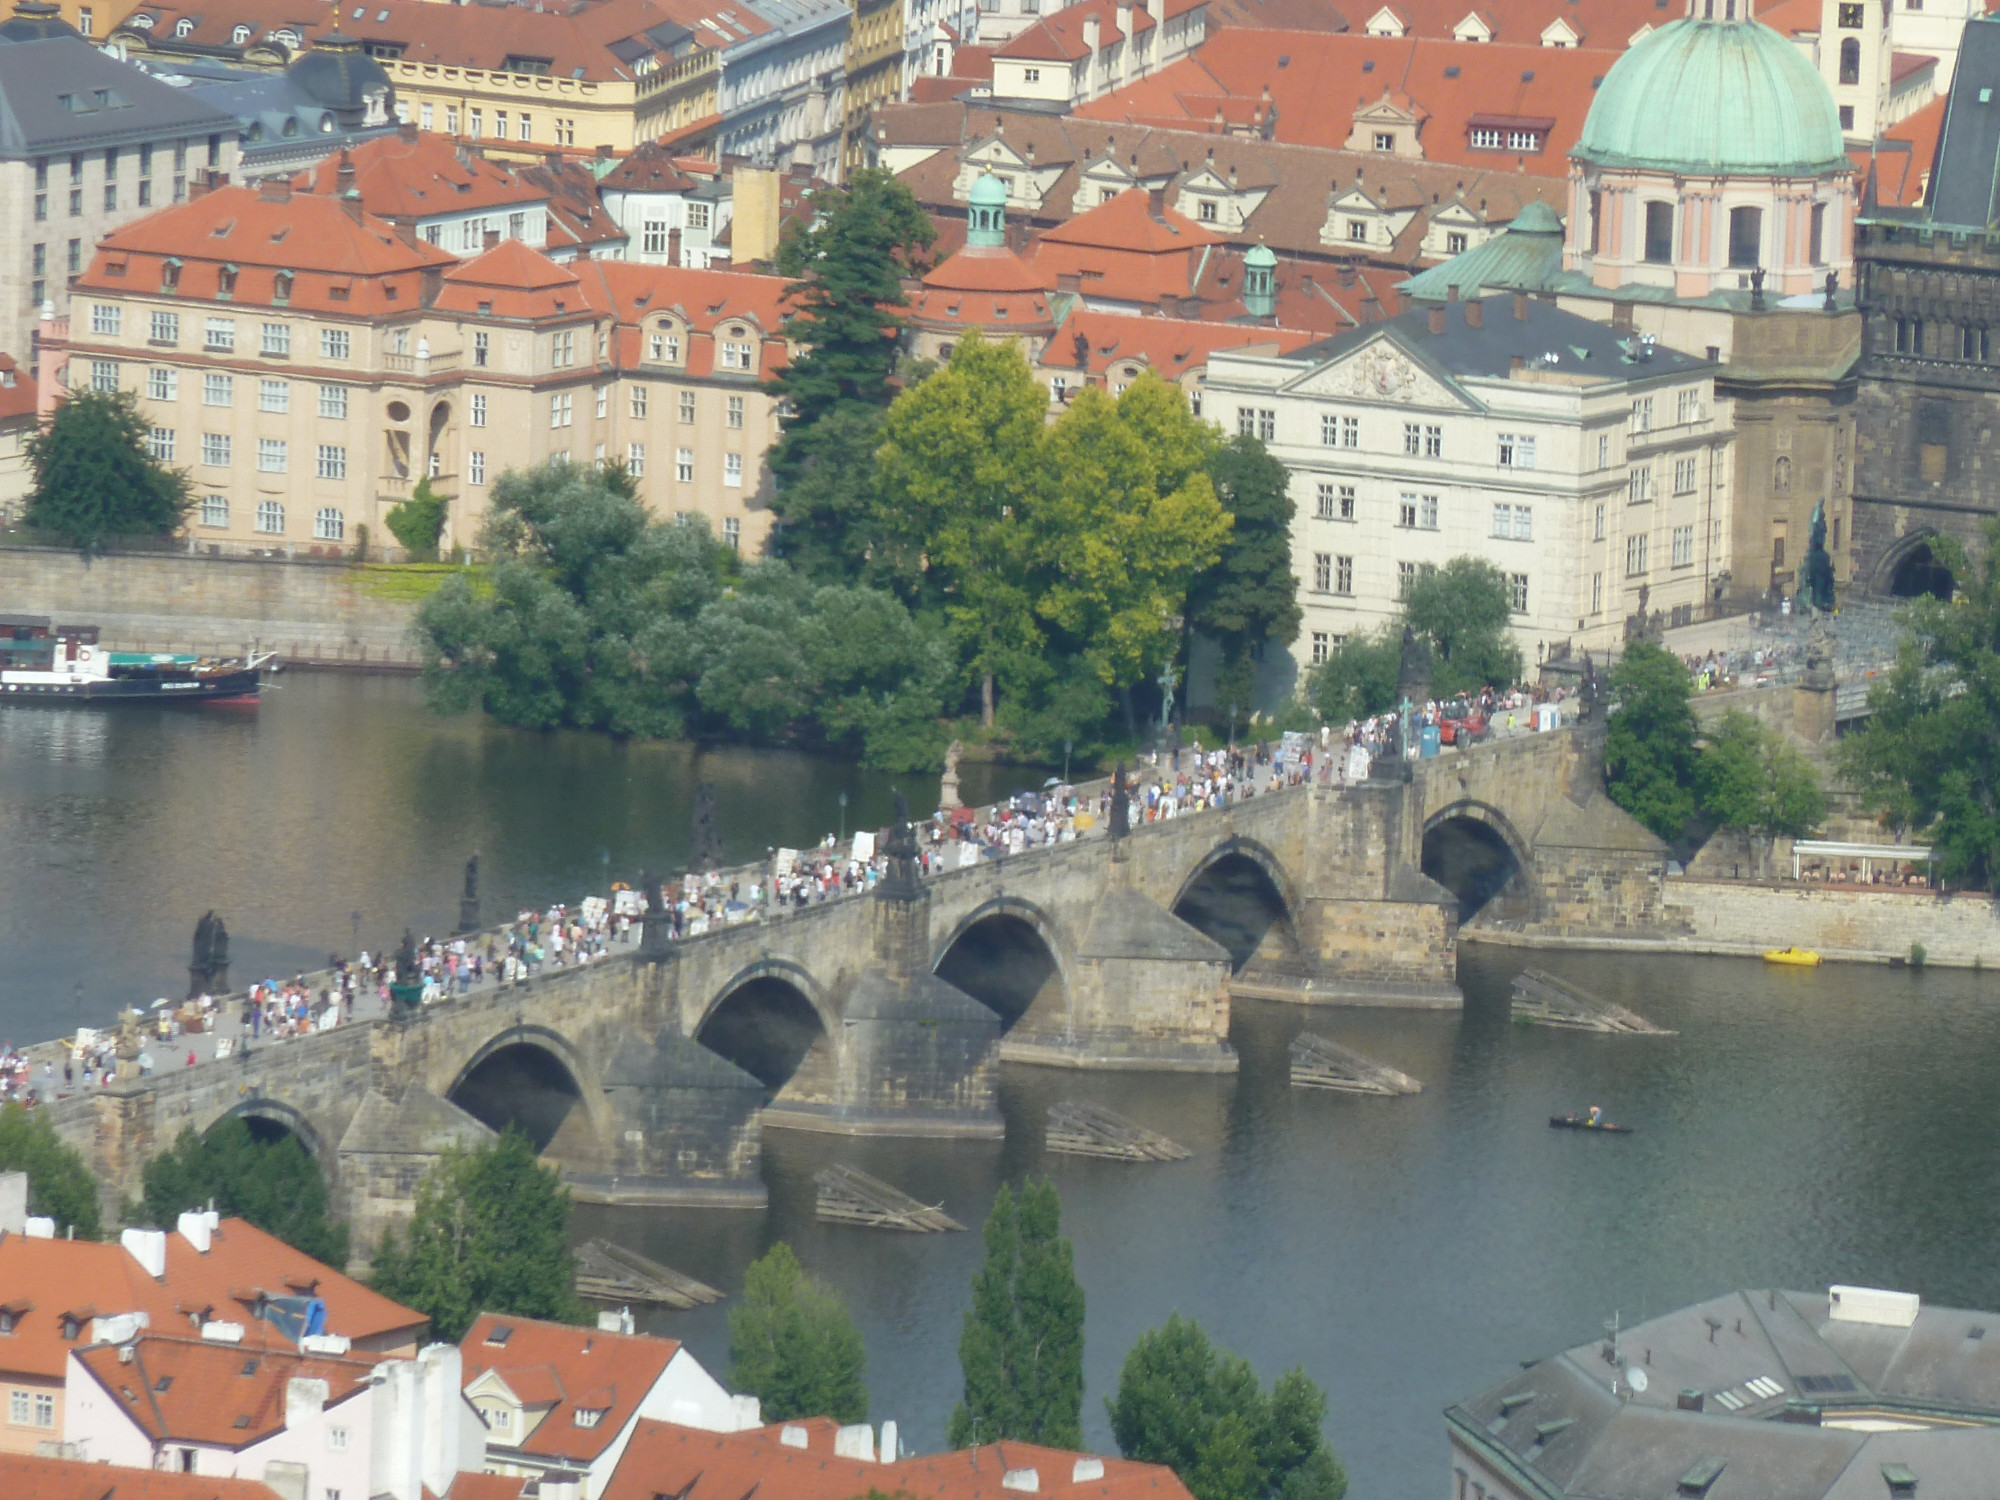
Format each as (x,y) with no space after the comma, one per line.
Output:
(1380,367)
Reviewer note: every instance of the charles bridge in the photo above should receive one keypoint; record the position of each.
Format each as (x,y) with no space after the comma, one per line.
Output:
(648,1076)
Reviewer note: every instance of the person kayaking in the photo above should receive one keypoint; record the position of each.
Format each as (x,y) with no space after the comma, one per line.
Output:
(1594,1118)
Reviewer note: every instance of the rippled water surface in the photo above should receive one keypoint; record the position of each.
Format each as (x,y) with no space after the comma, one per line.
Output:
(1803,1127)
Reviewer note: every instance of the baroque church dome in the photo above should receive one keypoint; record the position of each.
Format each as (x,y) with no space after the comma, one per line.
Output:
(1728,98)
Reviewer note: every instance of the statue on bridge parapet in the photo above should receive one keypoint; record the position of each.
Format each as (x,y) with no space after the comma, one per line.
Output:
(705,848)
(948,787)
(655,925)
(900,850)
(468,900)
(1121,811)
(406,989)
(208,966)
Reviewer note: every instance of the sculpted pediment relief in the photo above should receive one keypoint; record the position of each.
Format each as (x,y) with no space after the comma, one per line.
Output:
(1378,371)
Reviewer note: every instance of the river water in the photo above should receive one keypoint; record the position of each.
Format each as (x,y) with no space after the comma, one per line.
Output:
(1804,1127)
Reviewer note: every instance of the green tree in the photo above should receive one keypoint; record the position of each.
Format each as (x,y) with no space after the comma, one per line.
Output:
(849,257)
(827,502)
(1464,609)
(793,1346)
(1928,759)
(1751,781)
(959,470)
(95,478)
(60,1185)
(489,1234)
(1649,755)
(1251,594)
(1022,1349)
(1197,1409)
(1128,523)
(418,522)
(1358,678)
(273,1184)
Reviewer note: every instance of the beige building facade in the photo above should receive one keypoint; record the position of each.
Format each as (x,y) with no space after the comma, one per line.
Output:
(307,399)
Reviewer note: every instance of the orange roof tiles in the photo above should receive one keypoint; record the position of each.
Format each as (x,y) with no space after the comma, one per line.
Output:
(1602,24)
(578,1364)
(46,1279)
(1317,81)
(241,1257)
(1170,347)
(984,268)
(1902,159)
(17,390)
(1127,250)
(469,1486)
(421,175)
(1062,36)
(340,261)
(664,1459)
(220,1395)
(25,1478)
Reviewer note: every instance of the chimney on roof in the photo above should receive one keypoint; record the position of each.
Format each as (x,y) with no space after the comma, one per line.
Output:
(1515,365)
(1343,274)
(1090,36)
(1689,1400)
(1130,44)
(855,1441)
(673,247)
(1520,307)
(1475,313)
(406,132)
(1451,292)
(1437,318)
(305,1398)
(489,239)
(1069,283)
(1156,204)
(275,190)
(149,1248)
(197,1227)
(343,177)
(351,202)
(1621,316)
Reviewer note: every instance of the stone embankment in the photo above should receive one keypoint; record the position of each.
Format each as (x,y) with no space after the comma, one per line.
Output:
(310,612)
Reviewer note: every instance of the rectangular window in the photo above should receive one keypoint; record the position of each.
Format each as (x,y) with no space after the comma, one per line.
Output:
(1343,575)
(732,470)
(1427,512)
(335,343)
(103,375)
(160,444)
(1406,574)
(1851,17)
(218,390)
(1639,487)
(1350,432)
(1684,472)
(272,456)
(638,396)
(735,356)
(603,401)
(107,318)
(1324,507)
(111,197)
(1413,440)
(219,335)
(336,1439)
(1524,523)
(653,240)
(330,525)
(166,328)
(1642,415)
(1597,593)
(214,510)
(478,409)
(733,412)
(333,402)
(274,395)
(562,349)
(481,346)
(1503,521)
(1329,429)
(271,517)
(664,348)
(1488,138)
(163,384)
(1319,648)
(687,406)
(684,465)
(1433,441)
(1604,450)
(45,1409)
(451,119)
(1687,406)
(277,342)
(332,461)
(475,467)
(1322,572)
(1517,588)
(1659,246)
(427,116)
(76,203)
(1516,452)
(1597,523)
(635,460)
(215,449)
(1406,511)
(732,533)
(1635,554)
(559,408)
(1683,546)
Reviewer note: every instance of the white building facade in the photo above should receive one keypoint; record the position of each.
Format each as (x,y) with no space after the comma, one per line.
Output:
(783,91)
(1588,465)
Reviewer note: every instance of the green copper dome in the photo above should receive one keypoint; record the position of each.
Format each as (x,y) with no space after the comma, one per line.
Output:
(1727,97)
(987,192)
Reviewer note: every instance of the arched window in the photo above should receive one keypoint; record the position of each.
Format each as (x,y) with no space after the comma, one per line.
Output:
(287,36)
(329,525)
(271,517)
(239,36)
(184,27)
(1850,61)
(1781,474)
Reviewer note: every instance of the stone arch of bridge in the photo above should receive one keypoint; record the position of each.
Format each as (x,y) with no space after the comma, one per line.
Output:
(1008,954)
(1473,850)
(1241,895)
(773,1020)
(533,1077)
(269,1119)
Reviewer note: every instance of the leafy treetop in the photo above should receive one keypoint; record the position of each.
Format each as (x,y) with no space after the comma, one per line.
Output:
(60,1185)
(1649,741)
(273,1184)
(793,1346)
(95,477)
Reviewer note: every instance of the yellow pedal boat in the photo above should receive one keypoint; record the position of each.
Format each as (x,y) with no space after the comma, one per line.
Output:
(1805,958)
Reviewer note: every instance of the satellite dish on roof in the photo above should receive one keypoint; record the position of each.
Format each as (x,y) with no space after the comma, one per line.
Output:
(1636,1378)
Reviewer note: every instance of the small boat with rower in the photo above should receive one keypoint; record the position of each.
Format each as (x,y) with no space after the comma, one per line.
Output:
(1803,958)
(41,662)
(1591,1120)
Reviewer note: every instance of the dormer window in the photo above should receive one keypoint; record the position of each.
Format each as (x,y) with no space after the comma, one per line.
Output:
(286,35)
(71,1327)
(184,27)
(589,1417)
(239,36)
(499,1333)
(281,287)
(225,280)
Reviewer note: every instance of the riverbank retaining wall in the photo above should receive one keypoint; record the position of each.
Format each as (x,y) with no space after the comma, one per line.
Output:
(309,612)
(1842,924)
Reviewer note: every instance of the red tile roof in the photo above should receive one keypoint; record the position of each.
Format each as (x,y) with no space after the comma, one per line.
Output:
(574,1368)
(422,175)
(243,1260)
(1060,37)
(469,1486)
(648,168)
(341,262)
(1170,347)
(1312,77)
(44,1280)
(1123,251)
(664,1459)
(1602,24)
(25,1478)
(17,390)
(1902,159)
(216,1394)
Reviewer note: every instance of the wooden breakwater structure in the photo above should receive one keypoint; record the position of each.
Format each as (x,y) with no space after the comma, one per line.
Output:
(847,1196)
(1078,1129)
(1541,999)
(1320,1064)
(610,1273)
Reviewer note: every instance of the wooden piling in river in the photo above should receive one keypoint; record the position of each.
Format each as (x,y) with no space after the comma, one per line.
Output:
(1320,1064)
(1077,1129)
(610,1273)
(1541,999)
(847,1196)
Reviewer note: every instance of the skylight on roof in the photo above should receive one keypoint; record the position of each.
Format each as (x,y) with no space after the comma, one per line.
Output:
(499,1333)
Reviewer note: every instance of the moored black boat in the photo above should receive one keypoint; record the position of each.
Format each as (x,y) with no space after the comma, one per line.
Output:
(45,663)
(1575,1121)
